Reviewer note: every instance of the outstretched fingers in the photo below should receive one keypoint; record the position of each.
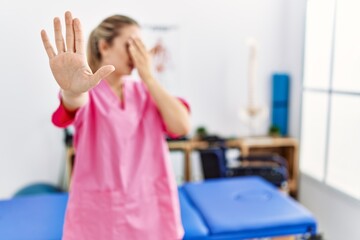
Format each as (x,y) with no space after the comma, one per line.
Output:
(79,39)
(47,45)
(69,32)
(59,40)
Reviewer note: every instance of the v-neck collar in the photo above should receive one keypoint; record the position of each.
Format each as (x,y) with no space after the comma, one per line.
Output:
(114,97)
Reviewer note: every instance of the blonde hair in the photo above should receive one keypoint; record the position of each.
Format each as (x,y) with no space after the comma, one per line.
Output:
(108,29)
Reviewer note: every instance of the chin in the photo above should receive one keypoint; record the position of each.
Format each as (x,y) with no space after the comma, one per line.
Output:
(126,72)
(131,71)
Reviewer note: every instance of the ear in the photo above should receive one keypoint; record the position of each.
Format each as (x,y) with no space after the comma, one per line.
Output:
(103,47)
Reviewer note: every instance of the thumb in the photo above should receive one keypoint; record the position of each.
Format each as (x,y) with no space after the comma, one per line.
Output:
(101,74)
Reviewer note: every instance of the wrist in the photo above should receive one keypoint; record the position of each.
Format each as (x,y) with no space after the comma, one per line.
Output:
(146,76)
(69,94)
(73,101)
(149,82)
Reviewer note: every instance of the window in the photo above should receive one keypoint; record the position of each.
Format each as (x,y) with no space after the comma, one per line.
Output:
(346,71)
(318,42)
(313,133)
(330,138)
(344,143)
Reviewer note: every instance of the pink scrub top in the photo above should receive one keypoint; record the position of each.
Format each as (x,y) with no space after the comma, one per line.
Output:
(122,185)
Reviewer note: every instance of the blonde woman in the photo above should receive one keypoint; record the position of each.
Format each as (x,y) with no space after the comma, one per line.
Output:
(122,185)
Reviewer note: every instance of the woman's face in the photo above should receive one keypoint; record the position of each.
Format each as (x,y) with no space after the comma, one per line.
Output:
(118,54)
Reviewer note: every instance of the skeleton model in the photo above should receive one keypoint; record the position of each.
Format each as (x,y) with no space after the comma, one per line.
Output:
(253,115)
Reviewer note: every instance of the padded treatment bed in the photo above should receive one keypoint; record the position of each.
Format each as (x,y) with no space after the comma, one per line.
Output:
(241,208)
(221,209)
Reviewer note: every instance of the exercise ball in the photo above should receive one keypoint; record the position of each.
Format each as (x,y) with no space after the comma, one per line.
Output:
(37,188)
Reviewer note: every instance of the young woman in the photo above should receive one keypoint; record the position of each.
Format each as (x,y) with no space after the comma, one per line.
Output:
(122,185)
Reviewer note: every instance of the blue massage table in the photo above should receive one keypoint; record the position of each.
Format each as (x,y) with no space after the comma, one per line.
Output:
(221,209)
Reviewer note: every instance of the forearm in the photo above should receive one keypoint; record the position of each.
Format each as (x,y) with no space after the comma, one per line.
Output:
(72,102)
(173,112)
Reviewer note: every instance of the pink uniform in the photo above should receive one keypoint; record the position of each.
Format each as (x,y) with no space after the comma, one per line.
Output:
(122,185)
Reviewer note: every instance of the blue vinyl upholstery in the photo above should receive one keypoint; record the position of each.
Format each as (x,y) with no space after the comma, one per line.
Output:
(225,209)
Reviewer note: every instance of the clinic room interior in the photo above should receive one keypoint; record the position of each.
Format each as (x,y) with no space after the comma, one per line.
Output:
(272,96)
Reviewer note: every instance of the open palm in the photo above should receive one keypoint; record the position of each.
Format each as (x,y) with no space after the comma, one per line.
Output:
(69,66)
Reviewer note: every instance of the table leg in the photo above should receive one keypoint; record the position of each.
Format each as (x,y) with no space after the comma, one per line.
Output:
(187,165)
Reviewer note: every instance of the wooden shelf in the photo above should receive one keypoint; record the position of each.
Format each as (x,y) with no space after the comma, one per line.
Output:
(286,147)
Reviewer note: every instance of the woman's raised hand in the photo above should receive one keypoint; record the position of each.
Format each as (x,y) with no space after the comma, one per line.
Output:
(69,65)
(141,58)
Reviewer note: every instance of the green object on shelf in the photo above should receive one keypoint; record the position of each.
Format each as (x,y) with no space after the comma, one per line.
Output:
(201,132)
(274,131)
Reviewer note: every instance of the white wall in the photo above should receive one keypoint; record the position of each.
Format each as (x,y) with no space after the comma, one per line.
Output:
(211,70)
(295,28)
(216,56)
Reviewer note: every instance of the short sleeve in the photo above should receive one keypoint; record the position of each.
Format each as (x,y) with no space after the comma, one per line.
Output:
(62,117)
(186,104)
